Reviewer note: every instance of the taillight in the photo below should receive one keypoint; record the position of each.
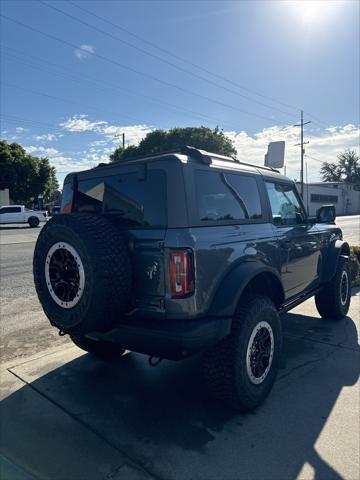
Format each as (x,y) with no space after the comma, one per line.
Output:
(45,214)
(181,273)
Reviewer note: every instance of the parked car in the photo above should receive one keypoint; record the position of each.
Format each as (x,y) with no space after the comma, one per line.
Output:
(20,214)
(189,252)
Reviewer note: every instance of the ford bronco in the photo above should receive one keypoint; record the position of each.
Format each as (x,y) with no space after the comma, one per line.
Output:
(179,253)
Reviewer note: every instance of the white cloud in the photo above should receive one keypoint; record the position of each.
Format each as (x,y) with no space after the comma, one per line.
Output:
(80,123)
(323,147)
(133,134)
(98,143)
(65,164)
(47,137)
(42,150)
(20,129)
(84,52)
(112,133)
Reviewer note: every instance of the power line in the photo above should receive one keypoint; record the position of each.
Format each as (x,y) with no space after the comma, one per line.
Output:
(313,158)
(100,86)
(182,59)
(114,62)
(319,122)
(54,97)
(145,52)
(30,122)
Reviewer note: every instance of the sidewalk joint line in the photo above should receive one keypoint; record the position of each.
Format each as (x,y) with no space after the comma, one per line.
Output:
(88,427)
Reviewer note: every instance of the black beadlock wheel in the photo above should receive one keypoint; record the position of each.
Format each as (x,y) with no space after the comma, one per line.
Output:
(241,369)
(333,301)
(82,273)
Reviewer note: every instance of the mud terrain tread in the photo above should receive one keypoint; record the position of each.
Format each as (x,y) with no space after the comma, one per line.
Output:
(223,365)
(328,299)
(109,275)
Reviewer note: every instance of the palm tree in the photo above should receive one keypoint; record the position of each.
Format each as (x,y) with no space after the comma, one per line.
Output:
(347,169)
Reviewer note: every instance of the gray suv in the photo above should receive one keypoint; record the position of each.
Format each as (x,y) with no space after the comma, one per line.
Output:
(180,253)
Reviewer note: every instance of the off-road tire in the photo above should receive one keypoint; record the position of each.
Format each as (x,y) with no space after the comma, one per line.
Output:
(98,348)
(33,222)
(224,365)
(106,292)
(330,300)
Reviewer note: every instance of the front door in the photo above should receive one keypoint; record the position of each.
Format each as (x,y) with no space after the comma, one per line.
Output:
(299,242)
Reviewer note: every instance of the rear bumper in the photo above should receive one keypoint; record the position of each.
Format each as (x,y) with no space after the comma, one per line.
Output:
(171,339)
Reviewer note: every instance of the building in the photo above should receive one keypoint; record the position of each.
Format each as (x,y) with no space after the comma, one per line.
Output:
(344,196)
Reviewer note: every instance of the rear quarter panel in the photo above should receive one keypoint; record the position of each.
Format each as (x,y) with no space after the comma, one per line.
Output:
(217,250)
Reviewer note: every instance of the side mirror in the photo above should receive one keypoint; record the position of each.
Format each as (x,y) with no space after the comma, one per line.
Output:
(275,155)
(326,214)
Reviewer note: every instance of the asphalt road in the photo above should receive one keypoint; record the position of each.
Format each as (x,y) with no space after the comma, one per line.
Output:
(67,415)
(351,228)
(24,329)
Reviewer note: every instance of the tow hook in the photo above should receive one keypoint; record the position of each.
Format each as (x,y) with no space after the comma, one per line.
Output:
(154,361)
(61,333)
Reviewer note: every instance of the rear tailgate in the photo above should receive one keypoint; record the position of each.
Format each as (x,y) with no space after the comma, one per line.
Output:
(134,197)
(147,253)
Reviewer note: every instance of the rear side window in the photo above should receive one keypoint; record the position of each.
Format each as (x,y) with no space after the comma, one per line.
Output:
(138,201)
(227,197)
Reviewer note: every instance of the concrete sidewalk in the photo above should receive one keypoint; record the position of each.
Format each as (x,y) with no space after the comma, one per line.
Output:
(66,416)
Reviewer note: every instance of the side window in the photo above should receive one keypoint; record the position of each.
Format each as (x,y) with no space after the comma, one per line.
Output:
(247,192)
(285,206)
(135,200)
(221,197)
(10,210)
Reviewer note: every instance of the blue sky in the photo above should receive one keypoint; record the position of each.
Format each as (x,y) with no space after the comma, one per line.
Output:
(70,91)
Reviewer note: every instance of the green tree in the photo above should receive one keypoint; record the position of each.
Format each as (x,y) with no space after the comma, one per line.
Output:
(24,175)
(159,141)
(346,169)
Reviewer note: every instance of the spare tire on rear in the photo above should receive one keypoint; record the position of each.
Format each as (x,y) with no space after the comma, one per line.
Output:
(82,273)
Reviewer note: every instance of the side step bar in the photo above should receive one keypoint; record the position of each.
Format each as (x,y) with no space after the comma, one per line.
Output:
(294,303)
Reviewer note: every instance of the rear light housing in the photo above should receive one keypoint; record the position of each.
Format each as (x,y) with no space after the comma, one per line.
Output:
(182,276)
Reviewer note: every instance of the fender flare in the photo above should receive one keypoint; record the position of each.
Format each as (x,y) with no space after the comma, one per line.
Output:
(232,286)
(337,248)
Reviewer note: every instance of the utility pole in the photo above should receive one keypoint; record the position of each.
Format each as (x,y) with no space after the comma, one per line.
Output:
(123,138)
(307,190)
(302,151)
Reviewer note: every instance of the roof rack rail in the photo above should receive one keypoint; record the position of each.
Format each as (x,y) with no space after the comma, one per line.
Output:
(201,156)
(206,157)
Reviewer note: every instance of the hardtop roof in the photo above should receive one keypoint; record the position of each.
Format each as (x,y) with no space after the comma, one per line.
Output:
(193,155)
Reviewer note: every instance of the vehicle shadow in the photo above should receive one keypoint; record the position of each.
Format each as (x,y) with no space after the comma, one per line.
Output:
(163,418)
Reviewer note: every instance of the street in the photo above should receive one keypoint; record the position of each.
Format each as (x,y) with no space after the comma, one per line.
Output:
(66,415)
(351,228)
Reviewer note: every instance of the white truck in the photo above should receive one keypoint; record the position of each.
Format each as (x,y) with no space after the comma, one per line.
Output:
(20,214)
